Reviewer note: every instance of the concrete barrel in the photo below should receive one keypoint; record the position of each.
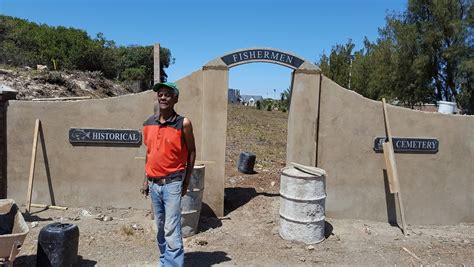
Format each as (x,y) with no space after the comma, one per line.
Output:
(302,205)
(191,202)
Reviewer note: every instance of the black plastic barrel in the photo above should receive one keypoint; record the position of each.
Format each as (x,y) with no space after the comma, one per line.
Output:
(246,162)
(58,245)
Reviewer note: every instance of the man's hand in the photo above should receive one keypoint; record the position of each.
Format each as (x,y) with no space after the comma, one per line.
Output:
(184,188)
(145,190)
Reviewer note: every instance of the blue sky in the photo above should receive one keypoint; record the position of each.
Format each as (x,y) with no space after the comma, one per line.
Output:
(199,31)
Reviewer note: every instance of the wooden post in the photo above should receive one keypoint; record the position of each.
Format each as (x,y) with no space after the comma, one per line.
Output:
(392,172)
(32,166)
(156,64)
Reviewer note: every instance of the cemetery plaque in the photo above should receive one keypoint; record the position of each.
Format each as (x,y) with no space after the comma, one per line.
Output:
(409,145)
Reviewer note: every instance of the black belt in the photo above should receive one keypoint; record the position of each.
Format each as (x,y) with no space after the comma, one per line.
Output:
(164,180)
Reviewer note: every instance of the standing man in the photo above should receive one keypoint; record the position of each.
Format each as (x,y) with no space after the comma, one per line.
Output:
(170,155)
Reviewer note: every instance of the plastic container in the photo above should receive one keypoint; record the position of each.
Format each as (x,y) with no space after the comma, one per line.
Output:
(246,162)
(58,245)
(446,107)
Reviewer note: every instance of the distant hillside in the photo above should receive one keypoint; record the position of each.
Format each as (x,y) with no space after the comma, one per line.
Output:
(24,43)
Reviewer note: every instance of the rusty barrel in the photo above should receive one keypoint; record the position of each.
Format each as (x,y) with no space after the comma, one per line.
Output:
(191,202)
(302,205)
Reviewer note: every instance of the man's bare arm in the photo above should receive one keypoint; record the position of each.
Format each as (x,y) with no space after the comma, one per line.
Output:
(145,190)
(191,146)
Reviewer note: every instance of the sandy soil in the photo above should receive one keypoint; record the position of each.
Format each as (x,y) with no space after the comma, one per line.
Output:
(248,236)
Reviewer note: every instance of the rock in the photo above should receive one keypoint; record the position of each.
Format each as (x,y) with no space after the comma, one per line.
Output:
(86,213)
(27,68)
(5,71)
(367,229)
(41,67)
(288,246)
(201,242)
(107,218)
(137,226)
(34,224)
(272,184)
(302,259)
(77,218)
(310,247)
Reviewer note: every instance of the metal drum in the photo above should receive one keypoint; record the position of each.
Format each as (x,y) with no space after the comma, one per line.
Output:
(191,202)
(302,205)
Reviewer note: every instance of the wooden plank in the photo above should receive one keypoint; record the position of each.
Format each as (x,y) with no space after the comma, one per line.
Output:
(48,207)
(197,162)
(391,167)
(402,212)
(387,124)
(32,165)
(156,64)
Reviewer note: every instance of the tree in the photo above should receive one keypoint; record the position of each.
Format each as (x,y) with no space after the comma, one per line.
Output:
(337,65)
(423,55)
(285,99)
(26,43)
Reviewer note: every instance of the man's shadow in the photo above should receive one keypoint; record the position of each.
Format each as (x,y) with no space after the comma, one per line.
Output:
(201,258)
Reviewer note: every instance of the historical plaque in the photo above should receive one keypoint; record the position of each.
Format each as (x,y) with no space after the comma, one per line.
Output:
(104,136)
(409,145)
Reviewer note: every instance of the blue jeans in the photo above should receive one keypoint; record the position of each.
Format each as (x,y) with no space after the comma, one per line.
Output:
(166,200)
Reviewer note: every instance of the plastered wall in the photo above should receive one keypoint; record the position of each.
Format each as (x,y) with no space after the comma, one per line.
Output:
(328,126)
(436,188)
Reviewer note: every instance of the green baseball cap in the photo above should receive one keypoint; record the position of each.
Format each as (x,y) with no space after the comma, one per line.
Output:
(170,85)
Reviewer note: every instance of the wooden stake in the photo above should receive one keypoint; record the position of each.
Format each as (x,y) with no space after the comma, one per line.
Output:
(156,64)
(392,172)
(391,167)
(48,207)
(197,162)
(412,254)
(32,165)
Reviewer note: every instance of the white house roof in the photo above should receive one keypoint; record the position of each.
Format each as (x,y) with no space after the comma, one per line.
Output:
(246,98)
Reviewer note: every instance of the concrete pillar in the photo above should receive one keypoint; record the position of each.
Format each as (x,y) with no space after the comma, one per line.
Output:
(6,93)
(303,118)
(215,82)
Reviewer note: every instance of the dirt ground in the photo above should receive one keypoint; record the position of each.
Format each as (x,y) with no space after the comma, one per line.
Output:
(248,233)
(248,236)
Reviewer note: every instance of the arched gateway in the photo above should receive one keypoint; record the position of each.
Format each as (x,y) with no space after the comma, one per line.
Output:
(328,126)
(205,101)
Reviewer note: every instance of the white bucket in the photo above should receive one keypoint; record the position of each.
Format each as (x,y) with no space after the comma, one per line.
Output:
(446,107)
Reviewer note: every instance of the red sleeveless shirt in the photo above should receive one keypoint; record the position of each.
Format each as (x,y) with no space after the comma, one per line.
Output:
(165,148)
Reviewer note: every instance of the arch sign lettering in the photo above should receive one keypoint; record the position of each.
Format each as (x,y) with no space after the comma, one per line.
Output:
(262,55)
